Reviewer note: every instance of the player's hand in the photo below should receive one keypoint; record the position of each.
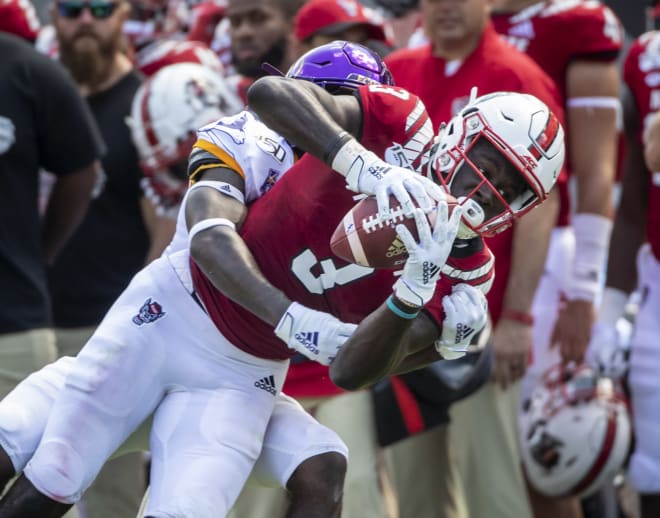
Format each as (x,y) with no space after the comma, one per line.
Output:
(368,174)
(466,313)
(607,352)
(512,342)
(572,331)
(426,257)
(314,334)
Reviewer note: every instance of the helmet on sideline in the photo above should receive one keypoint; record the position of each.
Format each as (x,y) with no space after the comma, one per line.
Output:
(575,431)
(166,112)
(523,130)
(161,53)
(341,64)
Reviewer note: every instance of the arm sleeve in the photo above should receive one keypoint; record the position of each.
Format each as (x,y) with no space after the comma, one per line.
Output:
(599,32)
(383,108)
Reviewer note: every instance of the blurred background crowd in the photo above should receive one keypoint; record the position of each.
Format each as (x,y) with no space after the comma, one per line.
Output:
(92,174)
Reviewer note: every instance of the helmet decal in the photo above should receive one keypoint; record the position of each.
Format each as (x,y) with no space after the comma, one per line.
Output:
(341,64)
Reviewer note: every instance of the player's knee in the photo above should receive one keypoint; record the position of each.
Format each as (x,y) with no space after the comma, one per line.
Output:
(58,471)
(320,475)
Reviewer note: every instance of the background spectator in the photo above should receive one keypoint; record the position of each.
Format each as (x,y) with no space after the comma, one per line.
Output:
(31,83)
(322,21)
(260,31)
(583,65)
(465,51)
(634,264)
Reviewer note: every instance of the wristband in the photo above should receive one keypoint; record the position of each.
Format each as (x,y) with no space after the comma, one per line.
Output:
(592,237)
(352,159)
(521,317)
(331,150)
(400,309)
(208,223)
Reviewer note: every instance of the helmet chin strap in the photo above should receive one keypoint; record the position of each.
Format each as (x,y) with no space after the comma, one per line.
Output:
(473,216)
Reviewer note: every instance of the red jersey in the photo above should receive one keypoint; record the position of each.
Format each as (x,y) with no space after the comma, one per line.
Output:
(288,231)
(641,73)
(589,31)
(445,88)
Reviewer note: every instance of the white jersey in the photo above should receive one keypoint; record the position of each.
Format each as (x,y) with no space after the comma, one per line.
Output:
(246,145)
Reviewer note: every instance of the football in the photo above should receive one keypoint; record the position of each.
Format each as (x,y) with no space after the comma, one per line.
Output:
(365,239)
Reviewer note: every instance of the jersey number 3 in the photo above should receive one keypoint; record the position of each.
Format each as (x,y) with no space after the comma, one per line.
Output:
(330,276)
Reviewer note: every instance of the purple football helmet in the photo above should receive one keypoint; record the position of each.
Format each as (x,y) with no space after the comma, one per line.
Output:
(341,65)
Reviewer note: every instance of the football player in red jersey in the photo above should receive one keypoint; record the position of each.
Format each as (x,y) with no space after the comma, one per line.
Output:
(583,65)
(204,359)
(635,236)
(262,383)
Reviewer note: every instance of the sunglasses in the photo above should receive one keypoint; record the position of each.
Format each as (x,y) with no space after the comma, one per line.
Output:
(98,9)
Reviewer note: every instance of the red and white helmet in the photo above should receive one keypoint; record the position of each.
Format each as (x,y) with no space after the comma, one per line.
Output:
(152,20)
(166,112)
(158,54)
(524,131)
(204,18)
(19,17)
(575,431)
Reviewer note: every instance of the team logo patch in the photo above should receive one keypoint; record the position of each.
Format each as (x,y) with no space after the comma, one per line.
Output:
(269,181)
(149,312)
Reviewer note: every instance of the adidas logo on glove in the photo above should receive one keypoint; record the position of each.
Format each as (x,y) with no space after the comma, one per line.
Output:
(309,341)
(462,332)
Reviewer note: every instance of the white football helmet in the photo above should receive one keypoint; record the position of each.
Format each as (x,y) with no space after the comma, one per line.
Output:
(524,131)
(575,431)
(166,112)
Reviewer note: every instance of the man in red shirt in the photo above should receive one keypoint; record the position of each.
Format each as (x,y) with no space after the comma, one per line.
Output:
(464,50)
(583,65)
(635,236)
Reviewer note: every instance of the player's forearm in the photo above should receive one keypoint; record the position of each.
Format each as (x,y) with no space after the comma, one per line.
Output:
(629,231)
(230,266)
(371,351)
(416,361)
(592,110)
(382,345)
(301,112)
(531,238)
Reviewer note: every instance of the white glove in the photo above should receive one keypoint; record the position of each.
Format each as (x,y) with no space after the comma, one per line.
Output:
(366,173)
(426,258)
(314,334)
(608,351)
(466,313)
